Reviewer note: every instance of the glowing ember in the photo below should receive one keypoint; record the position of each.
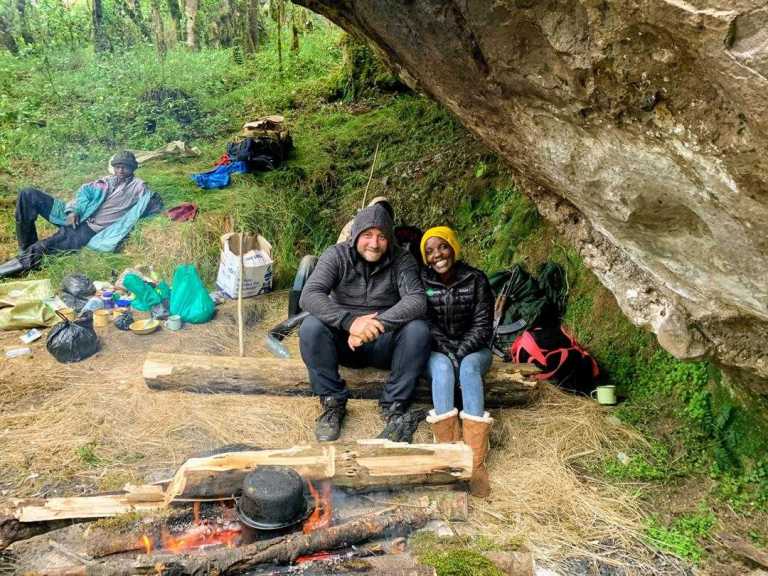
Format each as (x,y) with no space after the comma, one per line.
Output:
(323,513)
(201,536)
(313,557)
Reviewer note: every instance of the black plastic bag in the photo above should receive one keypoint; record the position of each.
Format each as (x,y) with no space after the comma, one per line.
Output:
(124,321)
(72,341)
(76,290)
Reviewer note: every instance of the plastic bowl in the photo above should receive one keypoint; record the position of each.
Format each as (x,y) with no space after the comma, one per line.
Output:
(144,326)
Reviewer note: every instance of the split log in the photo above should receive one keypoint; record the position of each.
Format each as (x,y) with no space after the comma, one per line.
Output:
(506,384)
(142,498)
(241,560)
(360,465)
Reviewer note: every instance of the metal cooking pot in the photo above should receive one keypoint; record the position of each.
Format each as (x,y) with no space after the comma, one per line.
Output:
(273,498)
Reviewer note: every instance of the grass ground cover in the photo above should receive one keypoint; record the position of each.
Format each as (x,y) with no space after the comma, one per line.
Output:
(62,115)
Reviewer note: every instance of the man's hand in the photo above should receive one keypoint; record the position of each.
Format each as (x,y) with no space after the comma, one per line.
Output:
(366,328)
(354,342)
(73,219)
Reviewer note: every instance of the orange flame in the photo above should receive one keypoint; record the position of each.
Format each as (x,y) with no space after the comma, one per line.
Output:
(147,543)
(323,513)
(199,537)
(194,538)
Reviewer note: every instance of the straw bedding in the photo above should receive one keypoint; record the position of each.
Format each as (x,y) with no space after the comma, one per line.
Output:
(94,425)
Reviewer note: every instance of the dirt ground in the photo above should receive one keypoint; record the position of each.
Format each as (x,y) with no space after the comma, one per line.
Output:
(92,426)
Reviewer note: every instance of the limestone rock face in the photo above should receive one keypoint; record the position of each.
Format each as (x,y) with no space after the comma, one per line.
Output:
(640,127)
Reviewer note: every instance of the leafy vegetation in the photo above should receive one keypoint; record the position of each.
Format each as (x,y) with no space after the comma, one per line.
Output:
(683,536)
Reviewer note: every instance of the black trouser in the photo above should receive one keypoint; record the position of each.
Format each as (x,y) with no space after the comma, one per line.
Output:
(30,204)
(404,351)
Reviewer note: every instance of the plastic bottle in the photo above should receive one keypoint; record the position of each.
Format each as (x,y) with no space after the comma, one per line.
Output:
(16,352)
(276,347)
(94,303)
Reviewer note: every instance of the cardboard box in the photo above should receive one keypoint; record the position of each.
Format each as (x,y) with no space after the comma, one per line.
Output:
(257,265)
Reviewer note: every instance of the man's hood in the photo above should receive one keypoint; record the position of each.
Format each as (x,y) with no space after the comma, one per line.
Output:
(375,216)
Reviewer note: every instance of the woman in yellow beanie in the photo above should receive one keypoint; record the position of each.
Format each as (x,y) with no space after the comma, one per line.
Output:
(460,313)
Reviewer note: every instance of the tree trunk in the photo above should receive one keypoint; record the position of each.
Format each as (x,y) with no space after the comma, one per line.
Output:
(6,32)
(100,40)
(26,34)
(132,9)
(175,10)
(294,30)
(254,23)
(506,384)
(159,29)
(190,10)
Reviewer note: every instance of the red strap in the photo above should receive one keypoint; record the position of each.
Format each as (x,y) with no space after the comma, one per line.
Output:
(527,342)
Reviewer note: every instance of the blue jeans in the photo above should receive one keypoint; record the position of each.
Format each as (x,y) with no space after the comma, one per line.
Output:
(471,370)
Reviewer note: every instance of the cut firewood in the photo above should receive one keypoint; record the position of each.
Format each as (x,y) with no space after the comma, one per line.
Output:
(45,510)
(361,465)
(244,558)
(506,384)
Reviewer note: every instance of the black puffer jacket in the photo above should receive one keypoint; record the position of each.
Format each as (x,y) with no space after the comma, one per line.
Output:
(461,314)
(344,286)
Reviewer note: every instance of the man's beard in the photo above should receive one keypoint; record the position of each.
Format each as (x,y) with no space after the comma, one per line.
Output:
(372,256)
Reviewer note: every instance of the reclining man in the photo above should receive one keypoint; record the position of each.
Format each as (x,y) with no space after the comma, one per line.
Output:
(102,213)
(366,304)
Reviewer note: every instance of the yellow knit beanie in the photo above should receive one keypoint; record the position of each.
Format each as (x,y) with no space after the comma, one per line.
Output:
(446,234)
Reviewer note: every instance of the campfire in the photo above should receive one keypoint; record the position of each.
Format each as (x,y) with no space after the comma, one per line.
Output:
(242,511)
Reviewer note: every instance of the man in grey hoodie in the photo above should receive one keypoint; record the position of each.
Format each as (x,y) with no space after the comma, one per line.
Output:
(366,305)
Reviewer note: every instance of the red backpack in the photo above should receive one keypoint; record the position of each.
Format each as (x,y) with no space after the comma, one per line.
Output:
(565,360)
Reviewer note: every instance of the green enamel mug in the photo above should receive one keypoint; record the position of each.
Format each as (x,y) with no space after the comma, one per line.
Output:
(605,395)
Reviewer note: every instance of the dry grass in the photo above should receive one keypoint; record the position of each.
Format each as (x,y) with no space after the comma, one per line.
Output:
(95,425)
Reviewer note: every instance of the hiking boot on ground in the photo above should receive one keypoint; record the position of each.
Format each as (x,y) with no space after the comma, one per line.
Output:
(328,424)
(477,430)
(392,415)
(445,427)
(13,267)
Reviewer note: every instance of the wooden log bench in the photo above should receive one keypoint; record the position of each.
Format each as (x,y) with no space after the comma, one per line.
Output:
(506,384)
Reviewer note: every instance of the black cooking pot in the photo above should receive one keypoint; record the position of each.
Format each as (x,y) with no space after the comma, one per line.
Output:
(273,497)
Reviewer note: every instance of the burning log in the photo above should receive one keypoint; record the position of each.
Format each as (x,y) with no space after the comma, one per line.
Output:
(506,384)
(235,561)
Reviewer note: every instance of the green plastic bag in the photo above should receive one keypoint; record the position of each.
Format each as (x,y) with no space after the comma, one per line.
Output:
(189,298)
(146,295)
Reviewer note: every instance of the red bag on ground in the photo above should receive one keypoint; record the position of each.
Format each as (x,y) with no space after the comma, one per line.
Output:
(561,358)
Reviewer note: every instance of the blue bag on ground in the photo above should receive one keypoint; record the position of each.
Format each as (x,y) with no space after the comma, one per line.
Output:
(220,176)
(189,298)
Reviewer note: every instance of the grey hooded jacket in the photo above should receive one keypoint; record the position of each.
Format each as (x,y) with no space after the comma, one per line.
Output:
(344,286)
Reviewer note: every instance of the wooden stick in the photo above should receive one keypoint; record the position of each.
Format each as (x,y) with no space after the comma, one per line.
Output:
(370,176)
(240,335)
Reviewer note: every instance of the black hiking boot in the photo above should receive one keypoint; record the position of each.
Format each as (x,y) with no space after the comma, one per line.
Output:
(393,416)
(328,424)
(13,267)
